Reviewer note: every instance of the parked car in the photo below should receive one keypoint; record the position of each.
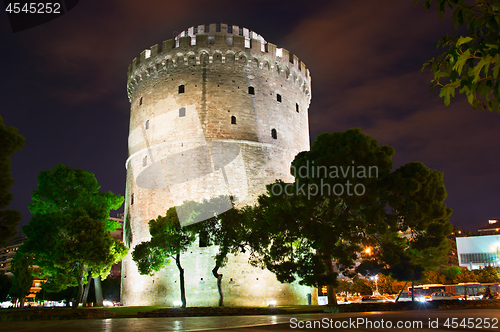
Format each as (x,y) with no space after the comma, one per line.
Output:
(444,296)
(371,299)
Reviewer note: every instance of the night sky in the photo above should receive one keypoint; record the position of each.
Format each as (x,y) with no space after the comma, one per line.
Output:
(63,85)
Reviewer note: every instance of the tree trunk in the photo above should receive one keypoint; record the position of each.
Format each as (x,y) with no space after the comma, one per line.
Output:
(401,291)
(219,284)
(98,291)
(181,277)
(86,290)
(412,291)
(80,290)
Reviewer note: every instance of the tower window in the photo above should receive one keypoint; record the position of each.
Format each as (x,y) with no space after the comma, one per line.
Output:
(147,124)
(274,134)
(297,107)
(140,101)
(230,29)
(217,27)
(278,96)
(181,88)
(251,90)
(195,30)
(203,239)
(207,27)
(182,112)
(240,32)
(233,119)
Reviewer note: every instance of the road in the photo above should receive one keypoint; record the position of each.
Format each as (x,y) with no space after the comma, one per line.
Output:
(423,320)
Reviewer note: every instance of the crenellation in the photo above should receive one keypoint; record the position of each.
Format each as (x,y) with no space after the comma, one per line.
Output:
(201,40)
(155,49)
(255,45)
(167,45)
(220,40)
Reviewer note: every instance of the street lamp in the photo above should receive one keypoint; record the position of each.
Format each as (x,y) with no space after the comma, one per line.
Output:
(376,293)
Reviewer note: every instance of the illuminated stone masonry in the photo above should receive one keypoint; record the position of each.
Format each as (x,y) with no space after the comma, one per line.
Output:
(215,111)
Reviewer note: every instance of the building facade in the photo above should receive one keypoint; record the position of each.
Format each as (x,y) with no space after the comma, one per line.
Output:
(216,111)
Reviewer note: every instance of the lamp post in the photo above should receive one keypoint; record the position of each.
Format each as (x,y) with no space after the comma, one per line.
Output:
(376,293)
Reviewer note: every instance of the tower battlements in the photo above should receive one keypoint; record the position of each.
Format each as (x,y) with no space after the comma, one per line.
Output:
(228,44)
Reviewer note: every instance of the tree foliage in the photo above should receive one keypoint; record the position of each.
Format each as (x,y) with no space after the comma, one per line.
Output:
(471,61)
(69,210)
(317,227)
(10,142)
(5,284)
(169,239)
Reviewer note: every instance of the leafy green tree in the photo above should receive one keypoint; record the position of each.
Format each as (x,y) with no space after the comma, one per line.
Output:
(450,273)
(168,241)
(21,282)
(317,227)
(10,142)
(471,61)
(344,286)
(307,229)
(69,210)
(67,295)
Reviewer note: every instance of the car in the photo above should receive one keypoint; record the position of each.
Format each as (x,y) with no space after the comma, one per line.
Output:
(370,299)
(444,296)
(404,297)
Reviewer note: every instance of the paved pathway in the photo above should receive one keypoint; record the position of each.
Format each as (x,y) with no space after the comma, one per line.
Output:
(422,320)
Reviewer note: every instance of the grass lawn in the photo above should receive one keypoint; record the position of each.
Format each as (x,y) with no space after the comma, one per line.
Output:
(132,310)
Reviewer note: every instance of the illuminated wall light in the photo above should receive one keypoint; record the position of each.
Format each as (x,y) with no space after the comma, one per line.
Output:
(177,304)
(272,303)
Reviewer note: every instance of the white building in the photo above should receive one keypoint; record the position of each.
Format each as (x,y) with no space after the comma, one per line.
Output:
(476,252)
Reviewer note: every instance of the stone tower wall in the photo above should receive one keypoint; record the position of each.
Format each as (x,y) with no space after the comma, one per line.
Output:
(185,96)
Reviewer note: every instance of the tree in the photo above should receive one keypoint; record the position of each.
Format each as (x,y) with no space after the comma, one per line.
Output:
(168,241)
(10,142)
(489,274)
(465,275)
(433,277)
(471,61)
(345,199)
(68,208)
(361,286)
(450,273)
(314,228)
(22,280)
